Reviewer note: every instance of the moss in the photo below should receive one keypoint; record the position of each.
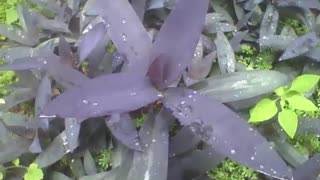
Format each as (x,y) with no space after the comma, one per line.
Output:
(249,56)
(297,25)
(309,144)
(139,120)
(230,170)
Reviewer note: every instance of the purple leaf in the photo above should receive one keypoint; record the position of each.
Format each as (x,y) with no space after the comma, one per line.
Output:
(314,4)
(127,32)
(35,147)
(241,85)
(174,46)
(89,163)
(309,170)
(236,40)
(42,99)
(26,20)
(65,52)
(250,4)
(90,40)
(18,35)
(213,121)
(269,24)
(13,149)
(124,130)
(184,141)
(153,162)
(54,152)
(226,58)
(17,97)
(104,95)
(140,7)
(72,130)
(300,46)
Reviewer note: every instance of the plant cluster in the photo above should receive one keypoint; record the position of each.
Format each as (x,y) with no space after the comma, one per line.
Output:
(164,90)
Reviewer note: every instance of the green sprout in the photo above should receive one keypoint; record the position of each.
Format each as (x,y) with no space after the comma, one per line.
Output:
(290,100)
(307,144)
(103,159)
(229,170)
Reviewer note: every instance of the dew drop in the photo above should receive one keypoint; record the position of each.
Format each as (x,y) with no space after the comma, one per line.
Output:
(95,104)
(153,140)
(123,21)
(137,143)
(133,93)
(85,101)
(232,151)
(252,158)
(250,129)
(147,145)
(183,102)
(261,167)
(44,62)
(124,38)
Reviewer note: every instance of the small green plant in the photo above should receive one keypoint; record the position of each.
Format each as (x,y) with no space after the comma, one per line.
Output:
(290,99)
(249,56)
(230,170)
(33,172)
(103,159)
(299,28)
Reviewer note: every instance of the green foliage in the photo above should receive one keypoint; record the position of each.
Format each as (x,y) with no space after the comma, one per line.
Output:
(264,110)
(304,83)
(33,173)
(308,144)
(299,28)
(103,159)
(292,101)
(230,170)
(139,120)
(288,120)
(249,56)
(1,176)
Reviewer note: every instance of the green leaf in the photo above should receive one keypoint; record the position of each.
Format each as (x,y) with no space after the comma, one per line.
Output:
(12,2)
(1,176)
(16,162)
(33,173)
(11,15)
(264,110)
(304,83)
(301,103)
(281,90)
(288,120)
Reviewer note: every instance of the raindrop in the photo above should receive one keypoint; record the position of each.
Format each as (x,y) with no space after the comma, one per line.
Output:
(95,104)
(72,134)
(124,38)
(250,129)
(85,101)
(133,93)
(153,140)
(160,95)
(183,102)
(232,151)
(190,96)
(137,143)
(124,21)
(148,132)
(261,167)
(107,25)
(252,158)
(44,62)
(147,145)
(179,65)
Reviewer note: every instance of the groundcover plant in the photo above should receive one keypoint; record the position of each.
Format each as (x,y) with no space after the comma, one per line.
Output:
(90,67)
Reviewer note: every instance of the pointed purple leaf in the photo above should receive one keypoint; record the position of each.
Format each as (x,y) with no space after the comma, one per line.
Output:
(140,7)
(183,142)
(18,35)
(13,149)
(269,24)
(35,147)
(124,130)
(127,32)
(226,57)
(72,130)
(309,170)
(178,38)
(236,40)
(115,93)
(300,46)
(213,121)
(65,52)
(17,97)
(153,162)
(314,4)
(90,40)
